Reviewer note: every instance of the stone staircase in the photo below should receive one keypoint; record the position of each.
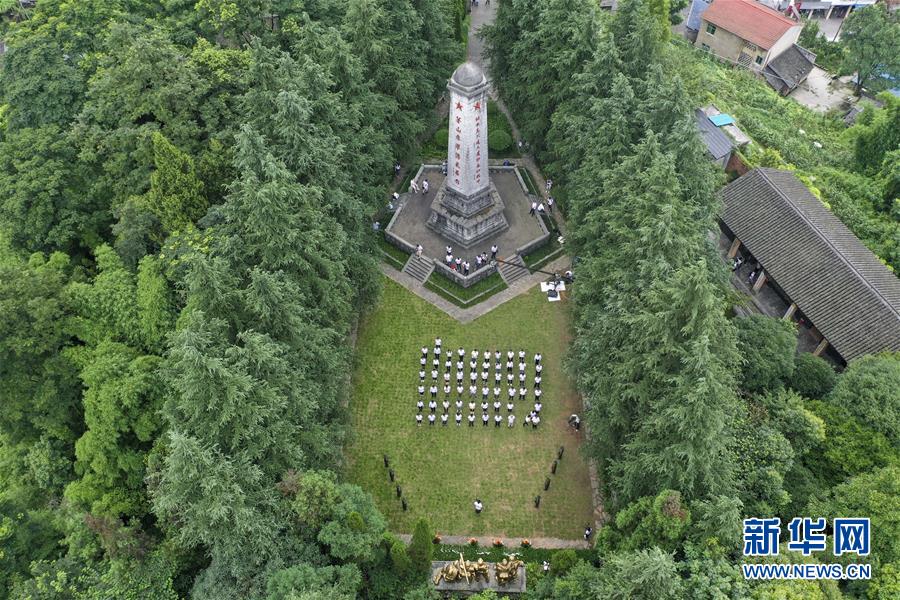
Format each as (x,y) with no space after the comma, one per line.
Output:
(511,273)
(419,268)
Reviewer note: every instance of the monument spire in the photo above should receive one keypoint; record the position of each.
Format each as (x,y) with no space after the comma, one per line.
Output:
(467,208)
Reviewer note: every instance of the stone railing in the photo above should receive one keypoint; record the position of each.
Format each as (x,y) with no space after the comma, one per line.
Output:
(463,280)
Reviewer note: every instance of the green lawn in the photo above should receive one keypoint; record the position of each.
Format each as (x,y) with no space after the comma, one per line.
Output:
(441,469)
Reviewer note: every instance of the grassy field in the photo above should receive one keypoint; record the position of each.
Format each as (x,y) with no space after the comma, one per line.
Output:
(442,469)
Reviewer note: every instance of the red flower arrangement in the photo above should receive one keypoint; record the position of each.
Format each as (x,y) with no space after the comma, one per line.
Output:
(436,539)
(498,543)
(473,542)
(526,543)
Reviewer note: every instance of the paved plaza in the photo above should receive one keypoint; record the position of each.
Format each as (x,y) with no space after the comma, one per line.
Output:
(410,224)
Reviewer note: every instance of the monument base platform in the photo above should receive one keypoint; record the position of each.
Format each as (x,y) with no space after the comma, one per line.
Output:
(467,230)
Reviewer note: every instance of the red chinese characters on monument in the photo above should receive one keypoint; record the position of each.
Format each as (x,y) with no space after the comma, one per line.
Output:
(458,145)
(477,147)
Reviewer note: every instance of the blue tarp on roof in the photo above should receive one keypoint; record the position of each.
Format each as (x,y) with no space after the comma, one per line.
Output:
(722,120)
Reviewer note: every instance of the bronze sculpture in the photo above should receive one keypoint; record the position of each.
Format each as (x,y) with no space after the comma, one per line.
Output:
(462,569)
(507,570)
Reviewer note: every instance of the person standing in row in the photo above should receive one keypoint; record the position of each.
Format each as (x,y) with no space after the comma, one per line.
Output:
(511,420)
(497,420)
(419,420)
(471,418)
(484,420)
(494,252)
(431,419)
(458,418)
(444,420)
(533,208)
(432,405)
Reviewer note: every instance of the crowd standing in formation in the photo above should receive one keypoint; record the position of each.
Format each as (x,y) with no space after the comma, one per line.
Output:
(482,388)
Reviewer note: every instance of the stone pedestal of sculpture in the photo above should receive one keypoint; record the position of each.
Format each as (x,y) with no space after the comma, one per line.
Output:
(467,208)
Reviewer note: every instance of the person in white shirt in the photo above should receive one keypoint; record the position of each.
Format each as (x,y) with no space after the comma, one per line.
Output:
(420,405)
(432,405)
(458,418)
(537,407)
(537,358)
(527,420)
(522,377)
(447,390)
(538,369)
(537,393)
(474,354)
(484,419)
(473,377)
(419,420)
(471,419)
(498,377)
(446,404)
(444,420)
(497,420)
(447,377)
(458,405)
(473,391)
(433,391)
(484,392)
(511,392)
(497,355)
(431,419)
(511,419)
(510,355)
(421,376)
(424,351)
(423,361)
(459,390)
(537,381)
(496,391)
(509,407)
(472,405)
(421,390)
(521,356)
(497,406)
(460,353)
(434,374)
(535,421)
(478,506)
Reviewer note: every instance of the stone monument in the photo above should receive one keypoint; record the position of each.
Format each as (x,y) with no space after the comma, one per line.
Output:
(467,208)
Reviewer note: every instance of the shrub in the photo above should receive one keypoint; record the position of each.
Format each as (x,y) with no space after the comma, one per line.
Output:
(498,543)
(870,390)
(499,141)
(473,542)
(562,561)
(441,137)
(420,547)
(400,558)
(813,377)
(526,543)
(768,346)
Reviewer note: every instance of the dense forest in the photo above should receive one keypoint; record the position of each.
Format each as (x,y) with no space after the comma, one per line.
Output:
(185,192)
(697,420)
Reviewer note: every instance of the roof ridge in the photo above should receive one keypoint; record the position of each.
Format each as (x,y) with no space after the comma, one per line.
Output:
(764,171)
(768,10)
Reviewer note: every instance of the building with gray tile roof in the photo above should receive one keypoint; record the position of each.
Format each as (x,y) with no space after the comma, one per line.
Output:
(718,144)
(789,69)
(824,270)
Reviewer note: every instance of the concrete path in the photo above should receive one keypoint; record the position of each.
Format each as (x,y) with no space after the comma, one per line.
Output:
(510,543)
(467,315)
